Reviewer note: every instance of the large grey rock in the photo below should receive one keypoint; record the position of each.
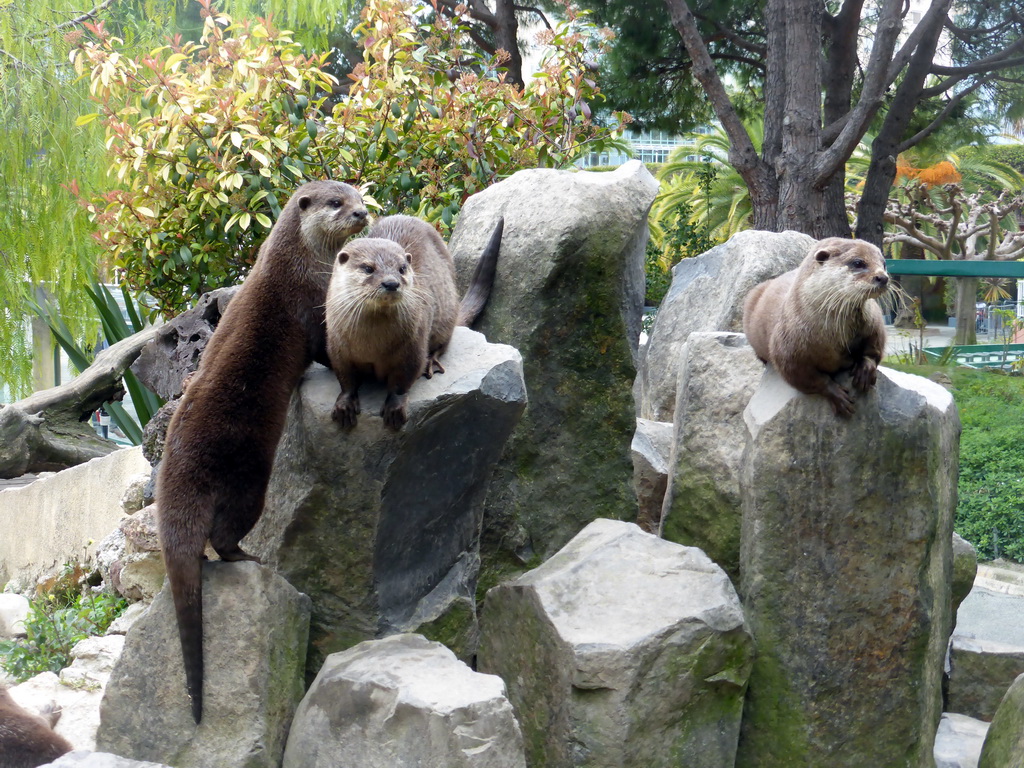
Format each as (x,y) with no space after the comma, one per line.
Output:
(702,507)
(14,609)
(846,566)
(958,741)
(569,295)
(980,673)
(652,448)
(256,628)
(1004,745)
(79,759)
(381,528)
(622,650)
(965,569)
(707,294)
(403,701)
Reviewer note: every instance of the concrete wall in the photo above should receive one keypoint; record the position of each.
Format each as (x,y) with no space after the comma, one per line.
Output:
(63,516)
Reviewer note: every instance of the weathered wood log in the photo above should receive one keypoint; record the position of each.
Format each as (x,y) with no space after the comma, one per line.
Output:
(49,429)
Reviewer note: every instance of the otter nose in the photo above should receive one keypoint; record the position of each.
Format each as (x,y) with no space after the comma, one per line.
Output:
(881,280)
(390,284)
(360,214)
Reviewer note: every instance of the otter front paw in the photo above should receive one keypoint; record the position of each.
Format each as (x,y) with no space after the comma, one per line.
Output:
(393,411)
(346,408)
(865,372)
(839,398)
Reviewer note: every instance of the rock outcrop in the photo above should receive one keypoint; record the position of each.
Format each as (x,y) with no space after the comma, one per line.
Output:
(381,528)
(707,294)
(403,701)
(256,630)
(1004,744)
(846,553)
(652,449)
(622,650)
(718,374)
(569,296)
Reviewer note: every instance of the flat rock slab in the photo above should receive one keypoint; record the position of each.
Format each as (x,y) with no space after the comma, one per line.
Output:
(256,629)
(958,741)
(622,650)
(403,701)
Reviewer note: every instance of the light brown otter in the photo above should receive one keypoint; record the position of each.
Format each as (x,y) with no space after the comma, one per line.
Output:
(28,740)
(822,318)
(392,306)
(222,438)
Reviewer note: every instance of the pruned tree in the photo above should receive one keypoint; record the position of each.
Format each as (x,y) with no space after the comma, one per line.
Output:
(952,224)
(496,28)
(826,74)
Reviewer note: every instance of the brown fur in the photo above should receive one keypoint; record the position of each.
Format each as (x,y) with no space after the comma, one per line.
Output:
(223,436)
(28,740)
(392,306)
(822,318)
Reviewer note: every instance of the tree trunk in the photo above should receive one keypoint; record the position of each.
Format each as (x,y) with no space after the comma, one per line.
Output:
(966,298)
(506,37)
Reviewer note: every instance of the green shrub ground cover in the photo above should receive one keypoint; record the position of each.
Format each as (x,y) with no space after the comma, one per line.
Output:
(990,512)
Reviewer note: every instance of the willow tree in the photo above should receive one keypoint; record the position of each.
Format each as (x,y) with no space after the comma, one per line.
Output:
(44,242)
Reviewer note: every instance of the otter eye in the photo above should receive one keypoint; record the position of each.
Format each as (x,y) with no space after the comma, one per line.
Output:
(334,203)
(368,269)
(859,264)
(401,270)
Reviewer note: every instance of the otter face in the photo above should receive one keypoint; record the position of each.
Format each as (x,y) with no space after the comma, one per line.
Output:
(854,266)
(380,270)
(331,212)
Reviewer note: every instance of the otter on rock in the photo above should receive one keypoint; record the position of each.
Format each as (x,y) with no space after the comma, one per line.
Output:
(221,440)
(822,318)
(28,740)
(391,308)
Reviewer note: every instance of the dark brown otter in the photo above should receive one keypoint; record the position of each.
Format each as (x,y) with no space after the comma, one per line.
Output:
(822,318)
(392,306)
(28,740)
(222,439)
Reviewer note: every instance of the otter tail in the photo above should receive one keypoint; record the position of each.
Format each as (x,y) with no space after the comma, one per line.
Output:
(483,278)
(186,575)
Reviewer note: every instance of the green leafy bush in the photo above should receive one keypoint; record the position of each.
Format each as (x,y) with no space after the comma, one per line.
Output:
(990,513)
(54,624)
(208,139)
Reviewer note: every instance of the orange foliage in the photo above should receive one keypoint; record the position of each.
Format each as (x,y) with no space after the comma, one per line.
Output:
(940,173)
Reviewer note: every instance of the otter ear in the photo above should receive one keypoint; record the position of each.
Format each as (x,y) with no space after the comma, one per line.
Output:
(408,258)
(823,255)
(304,202)
(343,256)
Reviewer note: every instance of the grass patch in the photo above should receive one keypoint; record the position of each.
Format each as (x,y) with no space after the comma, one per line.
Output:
(990,511)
